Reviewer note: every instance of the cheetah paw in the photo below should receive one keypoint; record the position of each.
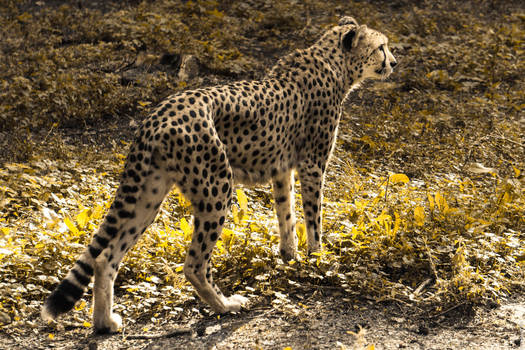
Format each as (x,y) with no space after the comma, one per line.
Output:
(235,302)
(112,325)
(289,256)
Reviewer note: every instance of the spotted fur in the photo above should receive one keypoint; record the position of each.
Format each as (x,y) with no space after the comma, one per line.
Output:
(202,140)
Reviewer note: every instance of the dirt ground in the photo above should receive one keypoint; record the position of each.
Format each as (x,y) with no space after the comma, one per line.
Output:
(320,319)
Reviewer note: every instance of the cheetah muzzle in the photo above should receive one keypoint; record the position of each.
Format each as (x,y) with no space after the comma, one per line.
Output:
(203,140)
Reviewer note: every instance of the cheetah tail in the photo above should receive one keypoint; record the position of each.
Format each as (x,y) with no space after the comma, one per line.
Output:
(69,291)
(73,286)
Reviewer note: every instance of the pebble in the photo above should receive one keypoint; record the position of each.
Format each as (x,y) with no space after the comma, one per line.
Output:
(4,318)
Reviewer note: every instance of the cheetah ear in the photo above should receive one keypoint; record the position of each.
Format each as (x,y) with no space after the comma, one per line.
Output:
(347,40)
(352,37)
(347,20)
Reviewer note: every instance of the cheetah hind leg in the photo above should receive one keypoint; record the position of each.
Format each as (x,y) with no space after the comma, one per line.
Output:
(209,216)
(197,267)
(283,192)
(137,213)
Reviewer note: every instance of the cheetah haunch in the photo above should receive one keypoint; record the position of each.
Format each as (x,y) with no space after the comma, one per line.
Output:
(202,140)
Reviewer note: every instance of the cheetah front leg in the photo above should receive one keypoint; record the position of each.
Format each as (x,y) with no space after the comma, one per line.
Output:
(283,192)
(312,179)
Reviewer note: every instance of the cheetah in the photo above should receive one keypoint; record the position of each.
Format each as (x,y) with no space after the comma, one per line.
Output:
(203,140)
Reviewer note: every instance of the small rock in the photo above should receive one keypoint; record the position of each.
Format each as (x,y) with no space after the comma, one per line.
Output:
(173,60)
(517,341)
(423,330)
(201,330)
(4,318)
(189,68)
(212,329)
(399,319)
(93,345)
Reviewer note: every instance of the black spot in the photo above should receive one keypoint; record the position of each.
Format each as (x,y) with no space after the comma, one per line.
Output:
(95,252)
(124,214)
(196,223)
(81,278)
(69,289)
(103,242)
(88,270)
(130,200)
(280,200)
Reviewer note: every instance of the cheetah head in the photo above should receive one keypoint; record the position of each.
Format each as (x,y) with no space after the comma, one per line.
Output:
(366,51)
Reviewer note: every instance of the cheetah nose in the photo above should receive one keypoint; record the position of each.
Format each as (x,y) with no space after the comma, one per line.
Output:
(393,64)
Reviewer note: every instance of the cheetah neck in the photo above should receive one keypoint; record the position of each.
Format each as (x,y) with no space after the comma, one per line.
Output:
(305,67)
(329,47)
